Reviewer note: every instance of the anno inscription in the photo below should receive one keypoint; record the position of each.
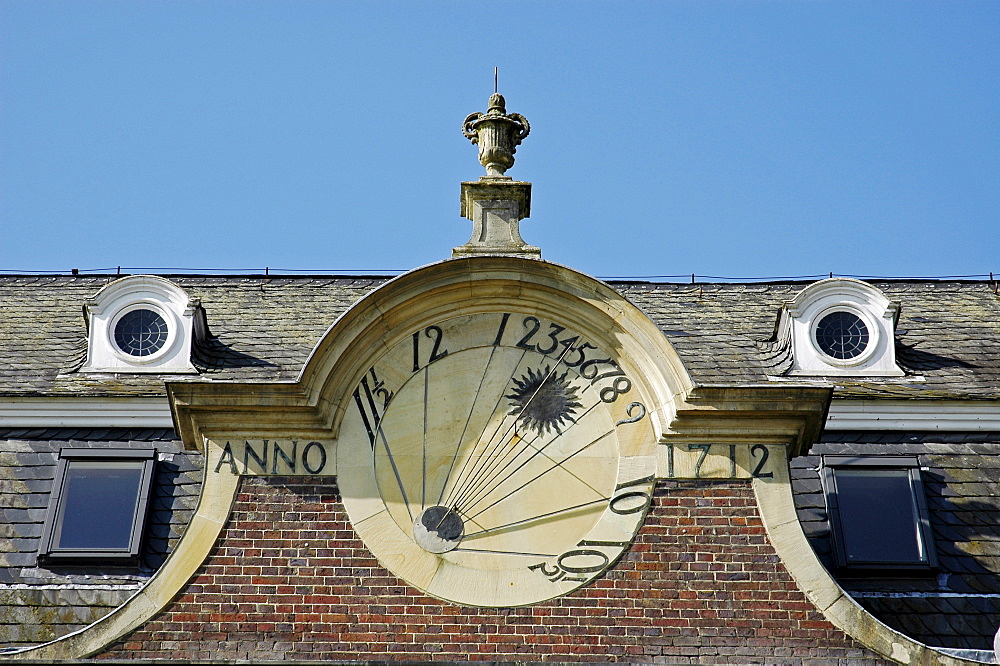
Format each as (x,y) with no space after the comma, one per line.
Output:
(267,457)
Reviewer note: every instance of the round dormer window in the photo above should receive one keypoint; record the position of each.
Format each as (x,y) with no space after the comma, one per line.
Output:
(842,335)
(140,332)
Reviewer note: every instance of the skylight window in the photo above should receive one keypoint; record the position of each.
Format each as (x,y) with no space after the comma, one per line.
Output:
(878,513)
(98,505)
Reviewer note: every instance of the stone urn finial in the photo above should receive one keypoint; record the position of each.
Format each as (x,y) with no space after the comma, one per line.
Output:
(498,134)
(496,203)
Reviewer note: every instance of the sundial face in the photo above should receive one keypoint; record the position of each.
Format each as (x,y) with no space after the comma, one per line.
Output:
(497,458)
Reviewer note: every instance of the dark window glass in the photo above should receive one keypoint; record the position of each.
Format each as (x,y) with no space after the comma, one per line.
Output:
(98,505)
(842,335)
(878,516)
(140,333)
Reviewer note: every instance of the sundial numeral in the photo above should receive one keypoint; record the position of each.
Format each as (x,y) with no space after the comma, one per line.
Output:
(583,561)
(549,347)
(581,355)
(588,370)
(555,330)
(588,556)
(614,372)
(532,324)
(435,334)
(371,397)
(553,574)
(616,502)
(619,386)
(500,330)
(641,412)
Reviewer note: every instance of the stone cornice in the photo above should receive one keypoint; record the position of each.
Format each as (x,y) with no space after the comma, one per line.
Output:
(788,415)
(271,410)
(154,412)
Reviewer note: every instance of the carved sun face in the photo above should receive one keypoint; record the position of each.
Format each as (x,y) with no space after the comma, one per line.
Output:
(543,401)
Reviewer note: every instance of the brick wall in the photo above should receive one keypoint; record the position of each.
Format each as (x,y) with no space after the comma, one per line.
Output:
(290,580)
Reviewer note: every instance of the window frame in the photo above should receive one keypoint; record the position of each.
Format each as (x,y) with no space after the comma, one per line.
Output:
(928,563)
(128,555)
(871,331)
(163,350)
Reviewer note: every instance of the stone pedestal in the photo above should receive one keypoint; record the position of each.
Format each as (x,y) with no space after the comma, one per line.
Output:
(496,205)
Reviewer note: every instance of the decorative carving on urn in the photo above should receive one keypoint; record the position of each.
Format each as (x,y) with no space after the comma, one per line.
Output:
(498,134)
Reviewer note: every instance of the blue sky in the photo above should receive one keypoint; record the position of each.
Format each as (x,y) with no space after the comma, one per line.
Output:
(741,139)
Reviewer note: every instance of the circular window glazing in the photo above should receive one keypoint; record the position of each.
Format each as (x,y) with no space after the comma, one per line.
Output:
(140,333)
(842,335)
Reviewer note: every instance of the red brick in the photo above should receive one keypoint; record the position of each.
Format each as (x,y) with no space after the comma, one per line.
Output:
(701,583)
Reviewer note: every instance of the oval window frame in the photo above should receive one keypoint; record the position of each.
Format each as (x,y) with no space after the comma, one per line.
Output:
(169,319)
(874,333)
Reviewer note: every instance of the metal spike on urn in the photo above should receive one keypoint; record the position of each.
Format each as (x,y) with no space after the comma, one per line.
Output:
(498,134)
(496,203)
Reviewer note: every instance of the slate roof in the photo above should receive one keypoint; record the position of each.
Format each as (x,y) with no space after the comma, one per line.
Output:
(947,336)
(263,328)
(960,606)
(39,603)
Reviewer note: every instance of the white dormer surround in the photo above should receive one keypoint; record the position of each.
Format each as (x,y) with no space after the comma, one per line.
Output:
(841,327)
(154,322)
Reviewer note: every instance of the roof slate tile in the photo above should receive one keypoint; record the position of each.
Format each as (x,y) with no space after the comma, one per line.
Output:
(264,328)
